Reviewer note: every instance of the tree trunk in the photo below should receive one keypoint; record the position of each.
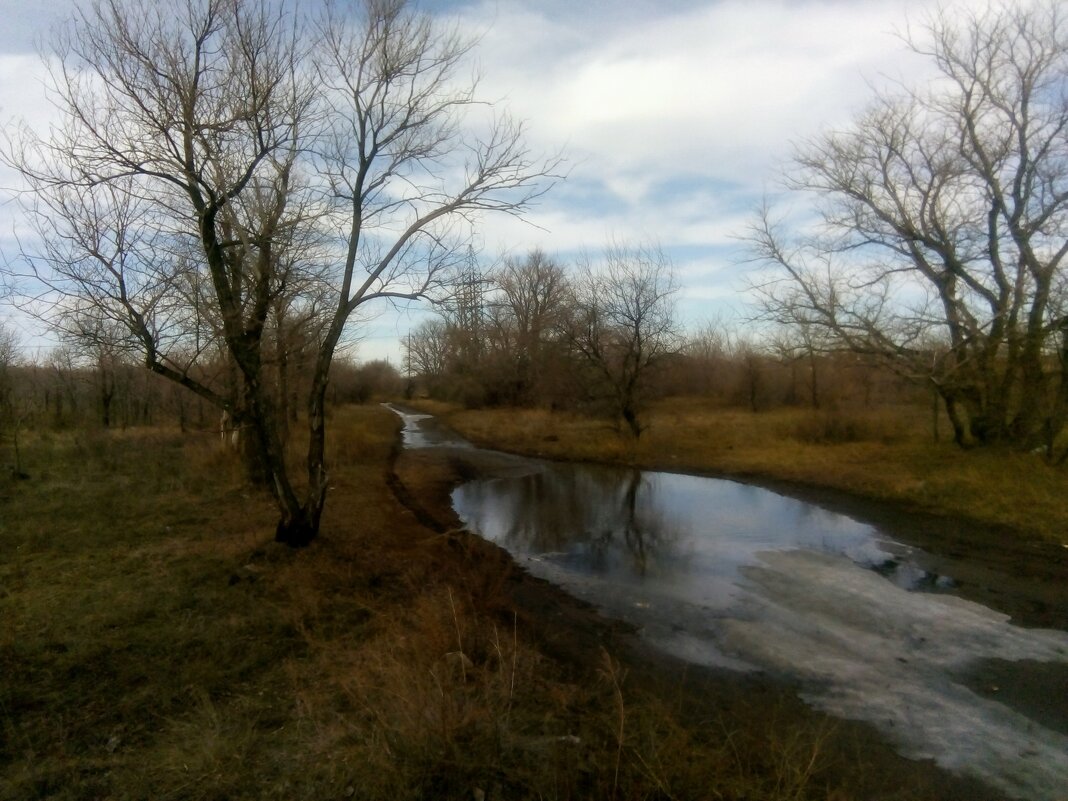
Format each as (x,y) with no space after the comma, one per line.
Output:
(815,386)
(106,396)
(1059,412)
(283,390)
(630,416)
(753,380)
(961,434)
(249,445)
(1028,428)
(298,528)
(934,414)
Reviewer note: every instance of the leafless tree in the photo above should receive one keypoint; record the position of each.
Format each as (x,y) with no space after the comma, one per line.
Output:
(427,349)
(9,353)
(11,411)
(217,144)
(9,347)
(529,306)
(802,343)
(498,338)
(623,323)
(706,365)
(99,343)
(944,216)
(162,201)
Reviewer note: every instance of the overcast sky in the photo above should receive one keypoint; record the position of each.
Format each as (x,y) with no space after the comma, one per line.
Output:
(674,115)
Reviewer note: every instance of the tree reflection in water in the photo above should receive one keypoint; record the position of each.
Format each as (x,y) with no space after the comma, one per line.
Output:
(598,521)
(728,575)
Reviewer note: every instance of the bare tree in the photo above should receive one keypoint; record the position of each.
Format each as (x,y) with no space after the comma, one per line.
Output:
(944,217)
(707,359)
(100,344)
(12,412)
(9,353)
(530,305)
(797,343)
(751,358)
(394,113)
(427,350)
(219,144)
(623,323)
(498,335)
(163,200)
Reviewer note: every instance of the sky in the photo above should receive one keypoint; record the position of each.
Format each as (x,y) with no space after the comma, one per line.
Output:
(676,119)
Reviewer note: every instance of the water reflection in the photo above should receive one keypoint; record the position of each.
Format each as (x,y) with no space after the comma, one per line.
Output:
(424,431)
(594,520)
(665,532)
(726,574)
(723,573)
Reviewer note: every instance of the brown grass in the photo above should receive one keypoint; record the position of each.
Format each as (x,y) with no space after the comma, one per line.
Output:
(885,454)
(154,643)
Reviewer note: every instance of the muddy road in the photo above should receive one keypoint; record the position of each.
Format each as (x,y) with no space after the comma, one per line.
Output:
(951,657)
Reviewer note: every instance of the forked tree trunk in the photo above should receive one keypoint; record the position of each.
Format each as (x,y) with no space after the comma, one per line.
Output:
(299,527)
(961,434)
(299,524)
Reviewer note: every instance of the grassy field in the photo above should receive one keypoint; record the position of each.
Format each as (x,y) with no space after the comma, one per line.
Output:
(886,454)
(155,644)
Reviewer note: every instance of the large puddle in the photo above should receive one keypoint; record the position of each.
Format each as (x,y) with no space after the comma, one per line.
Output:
(725,574)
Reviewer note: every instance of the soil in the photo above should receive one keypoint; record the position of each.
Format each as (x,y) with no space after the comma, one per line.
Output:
(1028,585)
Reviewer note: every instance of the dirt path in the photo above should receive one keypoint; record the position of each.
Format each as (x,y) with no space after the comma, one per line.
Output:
(857,757)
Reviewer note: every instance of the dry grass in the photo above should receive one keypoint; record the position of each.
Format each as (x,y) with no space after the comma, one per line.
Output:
(887,454)
(154,643)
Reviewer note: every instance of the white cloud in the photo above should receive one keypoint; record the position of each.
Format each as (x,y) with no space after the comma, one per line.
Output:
(673,113)
(677,114)
(717,88)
